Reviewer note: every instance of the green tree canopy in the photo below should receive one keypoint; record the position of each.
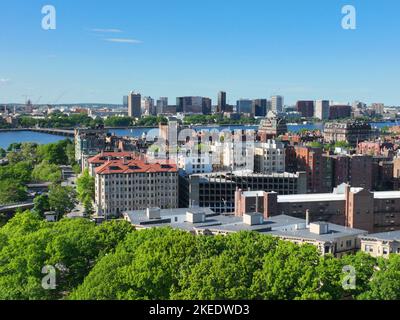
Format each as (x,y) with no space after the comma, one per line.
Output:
(62,199)
(72,246)
(46,172)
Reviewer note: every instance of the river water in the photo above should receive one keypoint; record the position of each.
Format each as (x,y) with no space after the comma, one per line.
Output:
(7,138)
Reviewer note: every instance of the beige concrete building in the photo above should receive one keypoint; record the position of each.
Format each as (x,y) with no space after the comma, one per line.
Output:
(381,244)
(123,185)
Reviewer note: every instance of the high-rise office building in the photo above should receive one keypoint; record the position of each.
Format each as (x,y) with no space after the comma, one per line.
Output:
(134,105)
(260,107)
(244,106)
(195,105)
(221,101)
(306,108)
(206,106)
(379,108)
(322,109)
(148,107)
(277,104)
(162,105)
(125,102)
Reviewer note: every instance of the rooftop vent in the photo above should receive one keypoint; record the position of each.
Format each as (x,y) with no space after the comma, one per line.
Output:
(253,219)
(153,213)
(195,216)
(319,228)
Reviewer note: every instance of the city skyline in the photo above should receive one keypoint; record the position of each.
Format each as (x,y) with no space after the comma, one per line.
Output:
(297,50)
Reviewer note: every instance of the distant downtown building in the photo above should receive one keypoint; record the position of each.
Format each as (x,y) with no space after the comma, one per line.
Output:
(221,107)
(125,102)
(148,107)
(306,108)
(134,105)
(193,105)
(322,109)
(277,103)
(339,112)
(260,107)
(244,106)
(162,105)
(123,184)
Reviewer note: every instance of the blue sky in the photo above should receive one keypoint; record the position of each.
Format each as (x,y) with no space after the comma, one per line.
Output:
(251,49)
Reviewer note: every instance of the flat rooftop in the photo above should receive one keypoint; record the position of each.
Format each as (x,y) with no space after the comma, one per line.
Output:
(325,197)
(281,226)
(168,216)
(384,236)
(334,232)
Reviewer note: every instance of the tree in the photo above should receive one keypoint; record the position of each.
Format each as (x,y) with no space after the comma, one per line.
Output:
(119,121)
(41,205)
(71,246)
(385,282)
(70,152)
(62,199)
(46,171)
(364,266)
(85,185)
(55,153)
(88,205)
(14,146)
(3,153)
(144,266)
(11,192)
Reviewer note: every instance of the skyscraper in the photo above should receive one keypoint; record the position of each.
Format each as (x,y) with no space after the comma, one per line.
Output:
(134,105)
(206,106)
(162,105)
(221,101)
(125,102)
(244,106)
(260,107)
(193,105)
(322,109)
(306,108)
(277,103)
(148,106)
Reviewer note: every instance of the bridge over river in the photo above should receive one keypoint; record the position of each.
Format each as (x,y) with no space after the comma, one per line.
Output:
(59,132)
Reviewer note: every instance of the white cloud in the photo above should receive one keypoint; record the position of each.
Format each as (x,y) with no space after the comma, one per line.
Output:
(123,40)
(106,30)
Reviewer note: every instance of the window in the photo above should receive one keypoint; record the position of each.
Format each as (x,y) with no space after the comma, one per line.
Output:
(369,248)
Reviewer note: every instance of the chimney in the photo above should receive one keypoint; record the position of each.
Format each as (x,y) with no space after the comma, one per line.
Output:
(257,203)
